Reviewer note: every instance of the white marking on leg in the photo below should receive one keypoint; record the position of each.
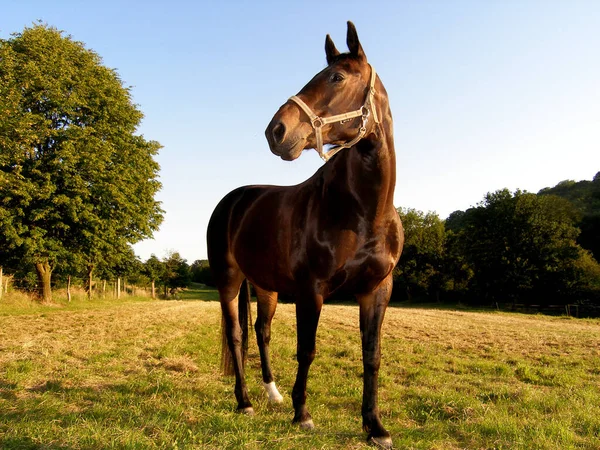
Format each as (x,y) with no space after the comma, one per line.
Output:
(273,393)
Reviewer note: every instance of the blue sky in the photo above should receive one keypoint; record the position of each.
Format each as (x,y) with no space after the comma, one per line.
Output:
(485,94)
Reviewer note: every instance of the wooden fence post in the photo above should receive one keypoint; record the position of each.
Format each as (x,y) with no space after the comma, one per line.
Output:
(69,288)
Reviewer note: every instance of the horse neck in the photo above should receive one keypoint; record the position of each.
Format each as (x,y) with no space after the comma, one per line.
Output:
(369,168)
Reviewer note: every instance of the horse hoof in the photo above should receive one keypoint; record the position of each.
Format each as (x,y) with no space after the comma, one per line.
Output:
(276,399)
(307,425)
(384,442)
(248,411)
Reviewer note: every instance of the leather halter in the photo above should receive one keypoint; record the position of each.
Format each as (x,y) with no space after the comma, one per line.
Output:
(317,122)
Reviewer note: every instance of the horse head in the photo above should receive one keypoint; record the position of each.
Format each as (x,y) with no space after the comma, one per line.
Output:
(336,107)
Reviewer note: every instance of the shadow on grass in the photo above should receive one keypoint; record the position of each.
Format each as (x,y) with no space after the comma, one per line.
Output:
(25,443)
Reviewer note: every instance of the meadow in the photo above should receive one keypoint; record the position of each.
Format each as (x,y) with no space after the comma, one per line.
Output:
(144,374)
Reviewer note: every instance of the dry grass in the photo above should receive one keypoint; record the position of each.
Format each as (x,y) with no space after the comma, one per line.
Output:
(512,334)
(73,337)
(145,374)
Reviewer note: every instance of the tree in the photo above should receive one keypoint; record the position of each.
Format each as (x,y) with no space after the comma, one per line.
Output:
(153,269)
(585,196)
(176,273)
(201,273)
(74,176)
(457,269)
(419,271)
(521,246)
(124,264)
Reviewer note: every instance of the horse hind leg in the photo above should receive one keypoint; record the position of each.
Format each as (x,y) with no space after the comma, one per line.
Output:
(266,305)
(229,294)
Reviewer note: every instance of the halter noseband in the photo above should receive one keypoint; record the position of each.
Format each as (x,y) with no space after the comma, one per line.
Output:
(317,122)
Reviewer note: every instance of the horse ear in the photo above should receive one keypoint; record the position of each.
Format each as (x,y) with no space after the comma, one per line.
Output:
(330,50)
(353,42)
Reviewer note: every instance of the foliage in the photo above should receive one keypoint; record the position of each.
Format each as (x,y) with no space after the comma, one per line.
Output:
(201,272)
(512,248)
(176,272)
(521,247)
(153,268)
(76,184)
(419,271)
(585,196)
(458,271)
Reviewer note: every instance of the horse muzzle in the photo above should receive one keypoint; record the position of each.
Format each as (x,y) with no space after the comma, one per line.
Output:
(286,145)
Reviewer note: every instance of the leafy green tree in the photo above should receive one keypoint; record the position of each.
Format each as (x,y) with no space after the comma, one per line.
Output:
(136,276)
(74,176)
(200,271)
(176,273)
(125,264)
(521,246)
(419,271)
(457,269)
(153,269)
(585,196)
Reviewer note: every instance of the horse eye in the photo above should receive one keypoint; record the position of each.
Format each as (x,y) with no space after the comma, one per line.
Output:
(337,77)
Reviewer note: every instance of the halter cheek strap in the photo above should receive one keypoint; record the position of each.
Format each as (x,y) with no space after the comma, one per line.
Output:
(366,110)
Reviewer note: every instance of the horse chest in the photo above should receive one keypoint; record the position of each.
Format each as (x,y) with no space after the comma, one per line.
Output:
(350,259)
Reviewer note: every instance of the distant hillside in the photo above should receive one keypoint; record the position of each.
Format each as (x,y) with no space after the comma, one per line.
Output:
(585,196)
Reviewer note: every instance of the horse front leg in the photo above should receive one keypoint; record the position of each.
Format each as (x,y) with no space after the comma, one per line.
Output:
(372,311)
(308,311)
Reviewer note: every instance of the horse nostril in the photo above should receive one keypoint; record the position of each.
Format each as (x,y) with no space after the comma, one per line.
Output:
(278,133)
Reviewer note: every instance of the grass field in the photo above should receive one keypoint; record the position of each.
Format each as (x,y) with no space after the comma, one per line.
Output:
(139,374)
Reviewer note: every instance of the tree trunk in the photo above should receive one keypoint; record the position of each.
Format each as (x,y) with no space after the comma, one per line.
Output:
(44,273)
(153,291)
(118,288)
(69,288)
(103,288)
(1,288)
(90,281)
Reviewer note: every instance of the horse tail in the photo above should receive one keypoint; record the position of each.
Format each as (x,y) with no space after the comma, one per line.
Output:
(244,317)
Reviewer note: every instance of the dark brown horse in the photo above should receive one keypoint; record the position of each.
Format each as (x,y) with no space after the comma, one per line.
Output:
(337,230)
